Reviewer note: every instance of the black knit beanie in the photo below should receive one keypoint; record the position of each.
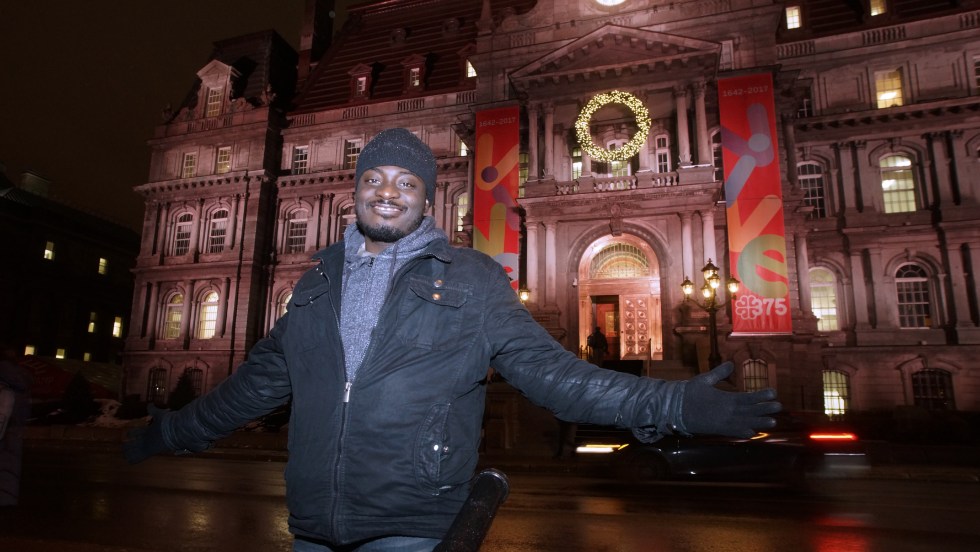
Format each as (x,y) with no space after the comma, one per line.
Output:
(400,148)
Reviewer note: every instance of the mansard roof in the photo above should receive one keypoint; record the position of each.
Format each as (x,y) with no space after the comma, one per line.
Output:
(383,34)
(255,61)
(616,49)
(828,17)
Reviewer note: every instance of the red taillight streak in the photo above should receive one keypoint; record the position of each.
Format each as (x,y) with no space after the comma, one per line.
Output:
(833,436)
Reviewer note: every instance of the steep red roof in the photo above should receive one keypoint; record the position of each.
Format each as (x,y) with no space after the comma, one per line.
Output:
(370,38)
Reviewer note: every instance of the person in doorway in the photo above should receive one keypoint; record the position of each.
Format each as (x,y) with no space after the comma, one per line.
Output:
(15,405)
(598,346)
(383,354)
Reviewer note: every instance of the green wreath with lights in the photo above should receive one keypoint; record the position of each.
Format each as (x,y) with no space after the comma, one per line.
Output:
(630,148)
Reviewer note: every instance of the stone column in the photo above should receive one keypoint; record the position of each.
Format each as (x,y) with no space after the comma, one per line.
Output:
(848,180)
(586,163)
(531,279)
(803,271)
(532,143)
(187,311)
(328,222)
(197,228)
(708,235)
(683,138)
(882,286)
(859,291)
(789,140)
(549,263)
(219,325)
(151,319)
(941,168)
(869,181)
(233,217)
(705,156)
(443,215)
(165,228)
(317,220)
(687,246)
(965,165)
(549,138)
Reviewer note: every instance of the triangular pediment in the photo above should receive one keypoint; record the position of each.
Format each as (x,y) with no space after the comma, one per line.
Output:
(614,48)
(216,69)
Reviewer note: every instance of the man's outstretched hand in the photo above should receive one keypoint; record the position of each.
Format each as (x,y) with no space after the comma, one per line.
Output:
(709,410)
(144,442)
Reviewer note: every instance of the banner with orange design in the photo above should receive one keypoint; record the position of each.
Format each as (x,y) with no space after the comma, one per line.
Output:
(496,222)
(754,201)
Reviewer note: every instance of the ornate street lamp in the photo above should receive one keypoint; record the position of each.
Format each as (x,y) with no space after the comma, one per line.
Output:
(711,303)
(524,294)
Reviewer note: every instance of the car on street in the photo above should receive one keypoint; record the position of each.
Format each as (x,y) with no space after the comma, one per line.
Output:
(803,445)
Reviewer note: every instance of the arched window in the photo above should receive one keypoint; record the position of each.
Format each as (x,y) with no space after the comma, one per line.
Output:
(181,239)
(217,231)
(933,389)
(283,304)
(898,184)
(196,376)
(345,218)
(810,177)
(462,208)
(912,286)
(207,319)
(836,393)
(156,386)
(823,299)
(619,260)
(755,374)
(296,223)
(172,315)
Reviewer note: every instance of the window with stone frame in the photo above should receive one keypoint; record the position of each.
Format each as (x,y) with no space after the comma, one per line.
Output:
(878,7)
(218,231)
(576,163)
(282,305)
(103,266)
(207,319)
(836,393)
(810,176)
(181,238)
(222,163)
(296,227)
(117,329)
(755,374)
(914,296)
(888,88)
(462,207)
(823,299)
(188,166)
(898,183)
(352,150)
(470,70)
(212,106)
(933,389)
(173,313)
(794,17)
(196,377)
(345,217)
(301,160)
(156,386)
(717,157)
(662,153)
(976,72)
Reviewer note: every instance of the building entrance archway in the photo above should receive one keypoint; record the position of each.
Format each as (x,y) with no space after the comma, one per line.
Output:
(619,292)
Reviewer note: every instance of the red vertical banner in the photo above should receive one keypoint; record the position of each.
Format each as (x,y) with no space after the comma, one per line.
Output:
(754,201)
(496,222)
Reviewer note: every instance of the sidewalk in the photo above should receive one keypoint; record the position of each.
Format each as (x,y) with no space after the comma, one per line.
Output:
(949,463)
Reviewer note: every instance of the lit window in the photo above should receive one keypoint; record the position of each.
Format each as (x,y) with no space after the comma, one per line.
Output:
(28,350)
(610,2)
(49,251)
(470,70)
(156,386)
(976,71)
(912,286)
(208,319)
(117,329)
(836,393)
(463,150)
(172,316)
(352,149)
(793,17)
(619,260)
(888,88)
(810,177)
(182,234)
(283,305)
(898,184)
(823,299)
(301,160)
(296,232)
(878,7)
(933,389)
(617,167)
(360,86)
(213,107)
(222,163)
(92,319)
(189,166)
(462,208)
(86,356)
(415,77)
(103,265)
(717,156)
(755,374)
(218,231)
(60,353)
(576,163)
(662,149)
(523,165)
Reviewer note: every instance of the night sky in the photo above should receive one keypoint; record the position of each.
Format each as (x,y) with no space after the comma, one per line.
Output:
(84,84)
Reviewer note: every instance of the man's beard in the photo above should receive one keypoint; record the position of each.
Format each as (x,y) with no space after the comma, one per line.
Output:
(387,234)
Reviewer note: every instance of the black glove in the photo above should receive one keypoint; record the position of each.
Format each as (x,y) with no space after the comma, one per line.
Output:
(144,442)
(707,409)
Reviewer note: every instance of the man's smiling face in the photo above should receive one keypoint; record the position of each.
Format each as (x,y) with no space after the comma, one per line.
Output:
(390,203)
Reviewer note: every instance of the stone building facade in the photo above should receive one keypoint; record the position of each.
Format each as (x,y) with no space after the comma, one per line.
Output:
(879,133)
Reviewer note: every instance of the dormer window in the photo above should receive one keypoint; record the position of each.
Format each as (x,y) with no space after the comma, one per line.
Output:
(414,73)
(470,70)
(360,82)
(879,7)
(360,86)
(794,17)
(415,77)
(213,102)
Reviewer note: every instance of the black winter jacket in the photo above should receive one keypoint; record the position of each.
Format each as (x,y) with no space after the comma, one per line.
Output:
(392,452)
